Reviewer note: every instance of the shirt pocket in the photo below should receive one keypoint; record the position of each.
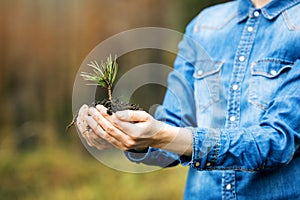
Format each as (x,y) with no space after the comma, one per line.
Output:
(207,83)
(266,77)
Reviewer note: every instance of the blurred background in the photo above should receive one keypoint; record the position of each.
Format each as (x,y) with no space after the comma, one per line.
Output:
(42,45)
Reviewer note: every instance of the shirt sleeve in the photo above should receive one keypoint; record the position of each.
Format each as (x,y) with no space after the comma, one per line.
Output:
(178,108)
(270,144)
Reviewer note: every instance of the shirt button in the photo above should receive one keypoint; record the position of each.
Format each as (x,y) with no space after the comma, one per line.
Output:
(235,87)
(197,164)
(228,187)
(199,72)
(273,72)
(232,118)
(242,58)
(250,29)
(256,14)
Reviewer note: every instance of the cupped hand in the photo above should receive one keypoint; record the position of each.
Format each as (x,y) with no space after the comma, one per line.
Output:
(84,123)
(126,129)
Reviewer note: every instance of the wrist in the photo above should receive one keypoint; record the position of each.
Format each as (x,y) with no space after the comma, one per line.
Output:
(174,139)
(164,135)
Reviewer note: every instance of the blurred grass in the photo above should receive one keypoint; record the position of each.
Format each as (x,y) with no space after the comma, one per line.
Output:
(53,170)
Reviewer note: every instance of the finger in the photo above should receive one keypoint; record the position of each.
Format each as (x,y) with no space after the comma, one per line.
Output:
(83,110)
(79,121)
(95,140)
(103,144)
(87,133)
(103,111)
(104,134)
(107,122)
(96,127)
(132,116)
(121,139)
(83,127)
(125,115)
(88,138)
(130,129)
(101,108)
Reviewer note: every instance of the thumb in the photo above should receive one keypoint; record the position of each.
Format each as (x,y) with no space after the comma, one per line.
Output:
(132,116)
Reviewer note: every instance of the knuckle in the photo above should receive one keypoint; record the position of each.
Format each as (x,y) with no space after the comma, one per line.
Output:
(97,118)
(115,124)
(109,129)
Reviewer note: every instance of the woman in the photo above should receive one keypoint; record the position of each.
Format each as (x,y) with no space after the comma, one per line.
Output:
(235,121)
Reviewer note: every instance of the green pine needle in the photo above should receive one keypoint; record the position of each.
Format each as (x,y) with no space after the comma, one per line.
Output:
(104,74)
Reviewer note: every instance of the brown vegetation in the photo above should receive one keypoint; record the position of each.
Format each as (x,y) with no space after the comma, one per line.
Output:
(42,44)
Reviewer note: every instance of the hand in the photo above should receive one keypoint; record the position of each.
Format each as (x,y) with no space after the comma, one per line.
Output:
(127,129)
(87,132)
(137,130)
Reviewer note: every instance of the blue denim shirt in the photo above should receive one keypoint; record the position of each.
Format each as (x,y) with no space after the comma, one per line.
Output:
(236,84)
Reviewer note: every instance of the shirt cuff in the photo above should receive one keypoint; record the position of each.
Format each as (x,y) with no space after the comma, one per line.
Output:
(205,149)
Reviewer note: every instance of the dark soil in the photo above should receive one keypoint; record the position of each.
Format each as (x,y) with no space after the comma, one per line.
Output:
(117,105)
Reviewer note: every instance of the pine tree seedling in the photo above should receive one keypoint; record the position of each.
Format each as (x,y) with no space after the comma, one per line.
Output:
(104,75)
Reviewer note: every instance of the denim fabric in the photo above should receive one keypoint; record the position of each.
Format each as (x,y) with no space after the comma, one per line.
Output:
(236,84)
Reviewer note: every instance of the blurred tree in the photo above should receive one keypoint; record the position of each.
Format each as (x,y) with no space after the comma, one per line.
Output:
(44,42)
(42,45)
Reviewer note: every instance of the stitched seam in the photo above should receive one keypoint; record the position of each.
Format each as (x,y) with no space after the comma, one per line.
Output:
(215,27)
(289,24)
(217,149)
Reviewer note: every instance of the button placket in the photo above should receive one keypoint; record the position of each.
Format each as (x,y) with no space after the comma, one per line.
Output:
(240,66)
(228,185)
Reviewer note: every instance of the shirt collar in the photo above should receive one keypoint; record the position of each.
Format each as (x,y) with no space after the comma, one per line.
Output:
(270,11)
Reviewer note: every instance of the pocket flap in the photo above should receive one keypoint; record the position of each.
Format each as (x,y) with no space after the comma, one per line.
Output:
(270,68)
(205,68)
